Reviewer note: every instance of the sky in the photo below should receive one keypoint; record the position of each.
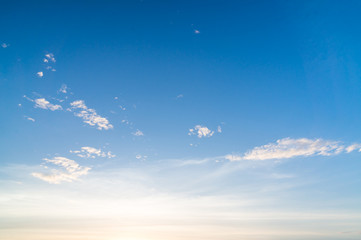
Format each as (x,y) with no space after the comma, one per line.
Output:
(169,120)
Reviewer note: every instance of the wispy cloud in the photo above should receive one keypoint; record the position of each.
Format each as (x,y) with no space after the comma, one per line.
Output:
(5,45)
(40,74)
(30,119)
(89,115)
(138,133)
(44,104)
(201,131)
(68,171)
(289,148)
(90,152)
(141,157)
(63,88)
(219,129)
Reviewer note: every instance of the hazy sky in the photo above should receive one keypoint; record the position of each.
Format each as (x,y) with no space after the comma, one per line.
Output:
(170,120)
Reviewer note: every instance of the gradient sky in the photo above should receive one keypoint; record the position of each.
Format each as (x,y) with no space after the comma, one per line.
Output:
(169,120)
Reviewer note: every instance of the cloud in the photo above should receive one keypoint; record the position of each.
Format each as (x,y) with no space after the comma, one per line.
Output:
(90,152)
(201,131)
(289,148)
(40,74)
(49,57)
(30,119)
(51,68)
(5,45)
(141,157)
(69,171)
(89,115)
(219,129)
(63,88)
(44,104)
(138,133)
(179,96)
(353,147)
(197,31)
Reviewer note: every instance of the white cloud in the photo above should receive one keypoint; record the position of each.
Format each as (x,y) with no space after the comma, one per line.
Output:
(40,74)
(89,115)
(201,131)
(69,171)
(219,129)
(197,31)
(289,148)
(353,147)
(141,157)
(63,88)
(122,108)
(179,96)
(44,104)
(125,121)
(138,133)
(90,152)
(5,45)
(50,57)
(30,119)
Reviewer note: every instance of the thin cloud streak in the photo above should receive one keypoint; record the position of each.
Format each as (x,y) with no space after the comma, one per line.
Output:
(287,148)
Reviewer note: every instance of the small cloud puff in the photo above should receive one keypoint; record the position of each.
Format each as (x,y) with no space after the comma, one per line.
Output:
(40,74)
(141,157)
(30,119)
(201,131)
(138,133)
(63,88)
(89,115)
(219,129)
(49,57)
(353,147)
(5,45)
(90,152)
(44,104)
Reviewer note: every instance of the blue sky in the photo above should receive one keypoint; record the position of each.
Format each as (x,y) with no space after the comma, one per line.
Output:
(141,120)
